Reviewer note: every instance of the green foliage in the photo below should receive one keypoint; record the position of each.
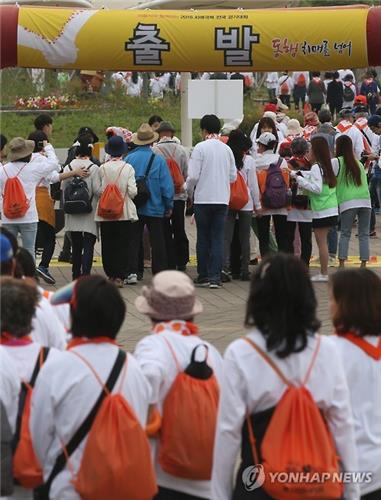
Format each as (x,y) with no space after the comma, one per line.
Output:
(111,108)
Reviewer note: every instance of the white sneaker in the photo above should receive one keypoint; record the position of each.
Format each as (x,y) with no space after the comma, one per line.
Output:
(131,279)
(320,278)
(332,261)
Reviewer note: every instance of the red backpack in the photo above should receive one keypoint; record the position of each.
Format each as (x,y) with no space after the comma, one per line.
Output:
(15,202)
(26,467)
(297,441)
(239,195)
(301,80)
(189,420)
(284,88)
(177,176)
(111,202)
(116,461)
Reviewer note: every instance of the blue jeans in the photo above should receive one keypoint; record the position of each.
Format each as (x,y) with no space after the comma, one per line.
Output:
(332,239)
(210,222)
(347,218)
(28,232)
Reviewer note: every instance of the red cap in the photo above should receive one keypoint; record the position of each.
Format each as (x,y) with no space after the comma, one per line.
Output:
(361,99)
(270,107)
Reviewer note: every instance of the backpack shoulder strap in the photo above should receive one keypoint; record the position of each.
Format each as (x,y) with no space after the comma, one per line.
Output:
(268,360)
(85,427)
(313,359)
(149,165)
(170,347)
(41,358)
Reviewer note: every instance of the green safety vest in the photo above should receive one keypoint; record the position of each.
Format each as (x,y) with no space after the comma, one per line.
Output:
(346,189)
(325,200)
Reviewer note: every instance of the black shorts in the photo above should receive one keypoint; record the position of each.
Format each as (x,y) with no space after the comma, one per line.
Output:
(325,222)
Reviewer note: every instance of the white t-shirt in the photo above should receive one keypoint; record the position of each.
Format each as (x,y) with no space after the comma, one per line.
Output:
(363,375)
(9,386)
(211,169)
(30,176)
(47,330)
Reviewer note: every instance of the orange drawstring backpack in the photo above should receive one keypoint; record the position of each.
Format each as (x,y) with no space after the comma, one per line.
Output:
(239,194)
(27,470)
(297,440)
(15,202)
(111,202)
(116,461)
(189,420)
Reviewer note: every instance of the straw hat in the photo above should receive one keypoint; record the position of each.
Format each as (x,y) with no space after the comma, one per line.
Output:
(293,127)
(145,135)
(19,148)
(171,296)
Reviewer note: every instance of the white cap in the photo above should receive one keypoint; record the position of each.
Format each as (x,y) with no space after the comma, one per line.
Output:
(266,138)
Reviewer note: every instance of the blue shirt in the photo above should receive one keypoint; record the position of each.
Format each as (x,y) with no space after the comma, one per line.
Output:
(159,181)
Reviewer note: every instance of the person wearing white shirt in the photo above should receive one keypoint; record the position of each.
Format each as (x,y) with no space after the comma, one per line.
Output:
(347,72)
(171,305)
(271,83)
(211,170)
(346,126)
(266,146)
(320,182)
(26,354)
(300,80)
(29,173)
(134,84)
(252,389)
(9,387)
(157,86)
(285,88)
(268,123)
(356,315)
(240,144)
(67,389)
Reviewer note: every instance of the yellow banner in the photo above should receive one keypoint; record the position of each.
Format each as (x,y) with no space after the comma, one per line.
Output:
(207,40)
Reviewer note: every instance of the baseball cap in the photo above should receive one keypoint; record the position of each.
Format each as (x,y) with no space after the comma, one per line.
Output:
(266,138)
(374,121)
(6,250)
(346,112)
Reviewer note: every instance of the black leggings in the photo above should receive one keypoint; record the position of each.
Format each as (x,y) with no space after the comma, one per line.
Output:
(46,239)
(305,231)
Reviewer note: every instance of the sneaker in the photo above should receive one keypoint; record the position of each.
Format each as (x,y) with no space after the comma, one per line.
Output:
(131,279)
(373,234)
(215,285)
(201,282)
(332,261)
(118,282)
(320,278)
(254,262)
(65,257)
(225,276)
(45,275)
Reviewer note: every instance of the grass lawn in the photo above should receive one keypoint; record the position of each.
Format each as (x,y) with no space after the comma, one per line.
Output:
(97,111)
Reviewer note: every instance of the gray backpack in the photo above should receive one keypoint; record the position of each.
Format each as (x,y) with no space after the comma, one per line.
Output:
(6,456)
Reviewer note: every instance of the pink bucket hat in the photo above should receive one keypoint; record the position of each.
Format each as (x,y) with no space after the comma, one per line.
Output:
(171,296)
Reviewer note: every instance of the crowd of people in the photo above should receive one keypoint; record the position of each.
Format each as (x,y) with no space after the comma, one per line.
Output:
(83,419)
(284,182)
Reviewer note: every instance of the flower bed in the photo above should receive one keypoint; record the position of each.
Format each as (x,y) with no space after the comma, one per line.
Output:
(49,102)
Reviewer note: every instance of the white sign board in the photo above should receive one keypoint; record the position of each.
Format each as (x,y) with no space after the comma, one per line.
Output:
(223,98)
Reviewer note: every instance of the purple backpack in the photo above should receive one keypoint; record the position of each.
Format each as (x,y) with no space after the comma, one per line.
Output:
(276,190)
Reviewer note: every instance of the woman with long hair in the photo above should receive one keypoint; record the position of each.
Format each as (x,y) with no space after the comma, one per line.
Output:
(239,143)
(281,315)
(353,198)
(356,316)
(320,182)
(265,124)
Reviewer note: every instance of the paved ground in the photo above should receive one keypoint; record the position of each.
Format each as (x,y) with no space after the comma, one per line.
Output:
(223,316)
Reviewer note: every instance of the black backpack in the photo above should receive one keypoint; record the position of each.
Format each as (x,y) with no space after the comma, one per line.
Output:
(141,183)
(348,93)
(77,199)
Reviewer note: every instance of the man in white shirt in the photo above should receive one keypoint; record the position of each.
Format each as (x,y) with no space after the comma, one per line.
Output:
(300,80)
(285,88)
(211,170)
(271,84)
(345,126)
(29,173)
